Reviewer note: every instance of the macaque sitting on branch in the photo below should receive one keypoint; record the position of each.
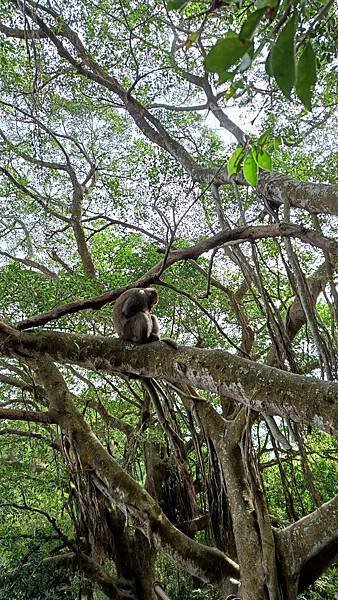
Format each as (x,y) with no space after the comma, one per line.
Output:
(133,320)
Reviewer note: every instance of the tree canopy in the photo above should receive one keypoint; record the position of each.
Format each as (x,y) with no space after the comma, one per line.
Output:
(188,146)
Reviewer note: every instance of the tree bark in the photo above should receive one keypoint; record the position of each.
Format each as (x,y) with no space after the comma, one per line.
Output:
(209,564)
(266,389)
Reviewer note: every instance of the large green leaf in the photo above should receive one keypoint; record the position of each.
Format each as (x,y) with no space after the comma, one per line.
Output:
(225,53)
(249,26)
(306,75)
(263,160)
(235,161)
(283,62)
(250,169)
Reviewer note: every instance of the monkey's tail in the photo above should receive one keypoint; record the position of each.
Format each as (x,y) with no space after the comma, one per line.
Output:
(170,342)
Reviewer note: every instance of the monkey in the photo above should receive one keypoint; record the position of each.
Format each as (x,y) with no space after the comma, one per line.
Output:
(131,316)
(133,320)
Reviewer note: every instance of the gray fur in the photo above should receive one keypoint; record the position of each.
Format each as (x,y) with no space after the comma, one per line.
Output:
(131,316)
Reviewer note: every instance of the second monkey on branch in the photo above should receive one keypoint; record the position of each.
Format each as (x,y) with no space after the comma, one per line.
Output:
(133,320)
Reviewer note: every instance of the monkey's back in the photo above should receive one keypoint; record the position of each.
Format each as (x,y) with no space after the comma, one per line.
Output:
(119,320)
(131,303)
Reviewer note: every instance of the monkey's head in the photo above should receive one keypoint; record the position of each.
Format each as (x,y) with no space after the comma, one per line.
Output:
(152,297)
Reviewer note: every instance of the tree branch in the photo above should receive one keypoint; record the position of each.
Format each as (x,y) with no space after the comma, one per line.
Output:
(313,197)
(309,538)
(151,277)
(28,262)
(24,415)
(93,570)
(209,564)
(264,389)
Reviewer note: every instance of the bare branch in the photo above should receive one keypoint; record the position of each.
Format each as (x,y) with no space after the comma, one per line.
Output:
(28,262)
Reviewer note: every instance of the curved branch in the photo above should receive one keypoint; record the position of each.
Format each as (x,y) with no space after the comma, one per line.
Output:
(220,115)
(42,201)
(312,537)
(224,237)
(79,560)
(123,224)
(31,159)
(28,262)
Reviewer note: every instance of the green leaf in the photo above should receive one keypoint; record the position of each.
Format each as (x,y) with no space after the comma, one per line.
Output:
(268,65)
(262,138)
(306,75)
(193,37)
(225,53)
(235,160)
(263,160)
(250,169)
(226,76)
(265,3)
(283,61)
(175,4)
(277,140)
(249,26)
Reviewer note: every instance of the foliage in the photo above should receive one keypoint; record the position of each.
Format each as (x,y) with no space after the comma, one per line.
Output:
(163,126)
(33,583)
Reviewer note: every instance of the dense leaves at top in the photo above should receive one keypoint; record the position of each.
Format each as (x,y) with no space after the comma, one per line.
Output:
(275,25)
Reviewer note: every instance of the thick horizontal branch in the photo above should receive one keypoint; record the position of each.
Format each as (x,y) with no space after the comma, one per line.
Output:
(24,415)
(313,197)
(265,389)
(238,234)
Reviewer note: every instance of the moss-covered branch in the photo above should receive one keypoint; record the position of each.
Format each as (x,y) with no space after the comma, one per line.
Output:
(263,388)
